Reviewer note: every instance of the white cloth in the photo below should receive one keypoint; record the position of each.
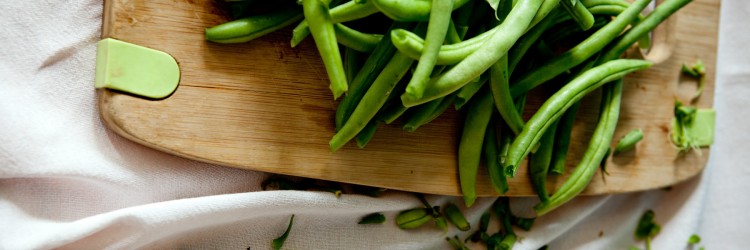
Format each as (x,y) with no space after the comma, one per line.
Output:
(68,182)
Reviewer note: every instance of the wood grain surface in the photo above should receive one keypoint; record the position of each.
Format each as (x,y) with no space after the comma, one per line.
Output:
(266,106)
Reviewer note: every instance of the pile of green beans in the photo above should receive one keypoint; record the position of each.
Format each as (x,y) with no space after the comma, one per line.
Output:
(411,60)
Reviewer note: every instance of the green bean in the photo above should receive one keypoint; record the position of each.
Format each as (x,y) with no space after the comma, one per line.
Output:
(469,148)
(461,19)
(373,100)
(540,162)
(356,40)
(352,63)
(466,92)
(499,85)
(547,7)
(589,3)
(658,15)
(562,140)
(480,60)
(559,102)
(374,64)
(598,146)
(249,28)
(526,41)
(316,13)
(628,141)
(343,13)
(456,217)
(579,13)
(580,52)
(410,11)
(366,134)
(425,113)
(440,18)
(491,153)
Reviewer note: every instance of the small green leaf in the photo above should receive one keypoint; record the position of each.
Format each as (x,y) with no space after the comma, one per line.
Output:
(694,239)
(647,228)
(374,218)
(279,242)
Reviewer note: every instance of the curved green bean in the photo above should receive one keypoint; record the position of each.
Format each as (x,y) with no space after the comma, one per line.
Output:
(559,102)
(356,40)
(249,28)
(469,150)
(437,28)
(476,63)
(500,88)
(589,3)
(316,13)
(598,147)
(343,13)
(580,52)
(579,13)
(373,100)
(412,10)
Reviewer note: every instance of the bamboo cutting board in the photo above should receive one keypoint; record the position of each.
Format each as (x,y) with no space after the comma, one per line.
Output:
(266,106)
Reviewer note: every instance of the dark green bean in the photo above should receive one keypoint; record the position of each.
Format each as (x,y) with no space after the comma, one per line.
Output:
(464,94)
(366,134)
(425,113)
(580,52)
(480,60)
(321,27)
(356,40)
(562,140)
(469,148)
(374,64)
(540,163)
(558,103)
(373,100)
(598,146)
(249,28)
(491,153)
(352,63)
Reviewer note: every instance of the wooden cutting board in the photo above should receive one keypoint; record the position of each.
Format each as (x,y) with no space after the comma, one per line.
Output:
(266,106)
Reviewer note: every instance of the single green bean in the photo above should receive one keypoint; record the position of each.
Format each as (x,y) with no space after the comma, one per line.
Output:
(559,102)
(562,140)
(374,64)
(352,63)
(491,153)
(437,28)
(476,63)
(464,94)
(393,108)
(424,114)
(540,162)
(500,87)
(452,36)
(628,141)
(412,10)
(469,148)
(343,13)
(249,28)
(356,40)
(589,3)
(598,146)
(373,100)
(366,134)
(580,52)
(316,13)
(579,13)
